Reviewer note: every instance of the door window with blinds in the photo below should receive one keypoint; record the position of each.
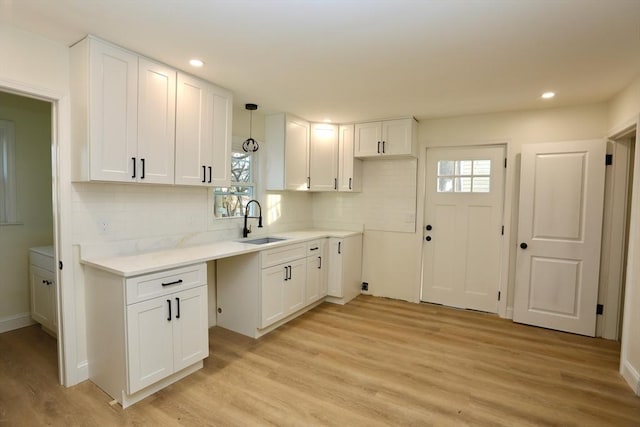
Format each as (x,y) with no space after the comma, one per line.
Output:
(464,176)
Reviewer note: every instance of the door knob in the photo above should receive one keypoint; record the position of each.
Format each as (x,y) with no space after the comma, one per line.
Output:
(428,238)
(429,227)
(523,245)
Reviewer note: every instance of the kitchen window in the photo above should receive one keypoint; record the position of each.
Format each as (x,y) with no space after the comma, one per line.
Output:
(231,201)
(8,203)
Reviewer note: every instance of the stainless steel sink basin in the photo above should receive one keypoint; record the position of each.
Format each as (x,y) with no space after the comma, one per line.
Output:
(263,240)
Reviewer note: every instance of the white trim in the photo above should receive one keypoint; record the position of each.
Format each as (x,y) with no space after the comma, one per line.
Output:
(508,313)
(623,129)
(631,376)
(16,321)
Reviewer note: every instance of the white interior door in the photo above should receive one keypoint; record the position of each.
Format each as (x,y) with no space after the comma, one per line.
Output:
(463,235)
(559,233)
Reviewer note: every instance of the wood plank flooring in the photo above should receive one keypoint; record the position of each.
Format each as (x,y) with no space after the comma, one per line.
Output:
(373,362)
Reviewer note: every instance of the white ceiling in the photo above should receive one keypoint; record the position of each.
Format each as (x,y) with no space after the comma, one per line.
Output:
(363,59)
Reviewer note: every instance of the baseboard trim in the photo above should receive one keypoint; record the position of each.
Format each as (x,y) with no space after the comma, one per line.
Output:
(631,376)
(509,313)
(16,321)
(83,371)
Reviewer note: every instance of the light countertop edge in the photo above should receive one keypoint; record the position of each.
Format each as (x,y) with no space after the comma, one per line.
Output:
(149,262)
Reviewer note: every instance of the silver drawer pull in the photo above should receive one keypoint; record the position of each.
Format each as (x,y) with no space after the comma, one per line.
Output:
(177,282)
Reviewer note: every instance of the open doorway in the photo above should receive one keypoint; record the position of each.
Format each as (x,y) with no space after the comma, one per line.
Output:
(615,233)
(29,287)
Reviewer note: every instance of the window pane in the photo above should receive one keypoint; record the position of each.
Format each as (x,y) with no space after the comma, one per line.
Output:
(463,167)
(231,201)
(482,167)
(445,185)
(481,184)
(445,167)
(463,185)
(241,167)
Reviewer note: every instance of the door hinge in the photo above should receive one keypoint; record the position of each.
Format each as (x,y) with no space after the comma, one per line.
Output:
(608,159)
(499,295)
(502,232)
(60,265)
(505,162)
(599,309)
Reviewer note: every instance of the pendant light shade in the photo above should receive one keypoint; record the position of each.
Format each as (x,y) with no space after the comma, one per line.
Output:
(250,145)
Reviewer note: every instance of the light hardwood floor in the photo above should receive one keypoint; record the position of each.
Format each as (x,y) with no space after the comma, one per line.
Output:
(372,362)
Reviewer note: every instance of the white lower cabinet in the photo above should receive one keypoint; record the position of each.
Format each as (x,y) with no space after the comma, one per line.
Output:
(317,270)
(345,265)
(282,291)
(145,332)
(42,282)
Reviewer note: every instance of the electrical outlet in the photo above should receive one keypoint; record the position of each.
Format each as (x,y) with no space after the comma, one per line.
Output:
(365,286)
(104,225)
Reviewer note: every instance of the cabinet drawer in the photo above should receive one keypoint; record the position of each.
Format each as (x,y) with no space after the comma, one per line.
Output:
(153,285)
(282,254)
(314,247)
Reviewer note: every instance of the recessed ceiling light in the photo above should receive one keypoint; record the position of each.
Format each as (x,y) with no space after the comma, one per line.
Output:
(548,95)
(196,62)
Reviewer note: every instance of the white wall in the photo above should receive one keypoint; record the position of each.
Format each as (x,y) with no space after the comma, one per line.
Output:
(32,121)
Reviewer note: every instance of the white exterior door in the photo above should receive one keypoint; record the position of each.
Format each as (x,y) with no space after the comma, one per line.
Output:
(559,234)
(463,219)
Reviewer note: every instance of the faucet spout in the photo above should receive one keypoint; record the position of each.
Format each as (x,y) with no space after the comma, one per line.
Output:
(245,229)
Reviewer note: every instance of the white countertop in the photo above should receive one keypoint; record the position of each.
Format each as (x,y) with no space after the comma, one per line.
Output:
(143,263)
(43,250)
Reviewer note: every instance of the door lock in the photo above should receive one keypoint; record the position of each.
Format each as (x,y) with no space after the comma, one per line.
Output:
(523,245)
(429,227)
(428,238)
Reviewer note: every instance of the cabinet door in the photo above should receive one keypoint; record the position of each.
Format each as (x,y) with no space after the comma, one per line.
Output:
(113,112)
(156,122)
(272,294)
(314,273)
(368,138)
(324,268)
(335,267)
(323,157)
(42,283)
(397,136)
(221,120)
(149,342)
(294,287)
(296,155)
(193,132)
(190,327)
(349,168)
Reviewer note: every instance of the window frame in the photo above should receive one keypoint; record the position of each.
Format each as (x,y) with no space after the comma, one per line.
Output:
(8,183)
(458,174)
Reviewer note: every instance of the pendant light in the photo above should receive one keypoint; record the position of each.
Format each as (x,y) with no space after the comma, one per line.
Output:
(250,145)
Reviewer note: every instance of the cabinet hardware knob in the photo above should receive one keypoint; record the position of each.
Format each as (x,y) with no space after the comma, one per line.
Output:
(176,282)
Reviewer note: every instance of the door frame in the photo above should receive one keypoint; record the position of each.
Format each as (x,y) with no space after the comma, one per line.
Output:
(507,200)
(68,367)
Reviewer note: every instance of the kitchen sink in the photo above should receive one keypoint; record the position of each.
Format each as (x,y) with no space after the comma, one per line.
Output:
(263,240)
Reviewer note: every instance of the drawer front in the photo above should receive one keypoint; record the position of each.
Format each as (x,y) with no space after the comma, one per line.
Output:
(282,254)
(314,247)
(42,261)
(153,285)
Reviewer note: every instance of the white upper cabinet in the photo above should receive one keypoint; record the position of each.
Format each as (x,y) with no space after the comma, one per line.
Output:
(323,157)
(203,133)
(287,147)
(396,138)
(128,111)
(349,168)
(156,122)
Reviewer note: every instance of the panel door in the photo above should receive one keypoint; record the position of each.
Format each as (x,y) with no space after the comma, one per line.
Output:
(193,132)
(272,294)
(221,120)
(294,286)
(113,112)
(42,283)
(368,139)
(190,327)
(335,268)
(323,157)
(149,342)
(156,122)
(296,155)
(463,227)
(559,233)
(396,136)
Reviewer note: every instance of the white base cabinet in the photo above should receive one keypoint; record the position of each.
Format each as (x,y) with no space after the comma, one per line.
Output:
(345,268)
(145,332)
(43,288)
